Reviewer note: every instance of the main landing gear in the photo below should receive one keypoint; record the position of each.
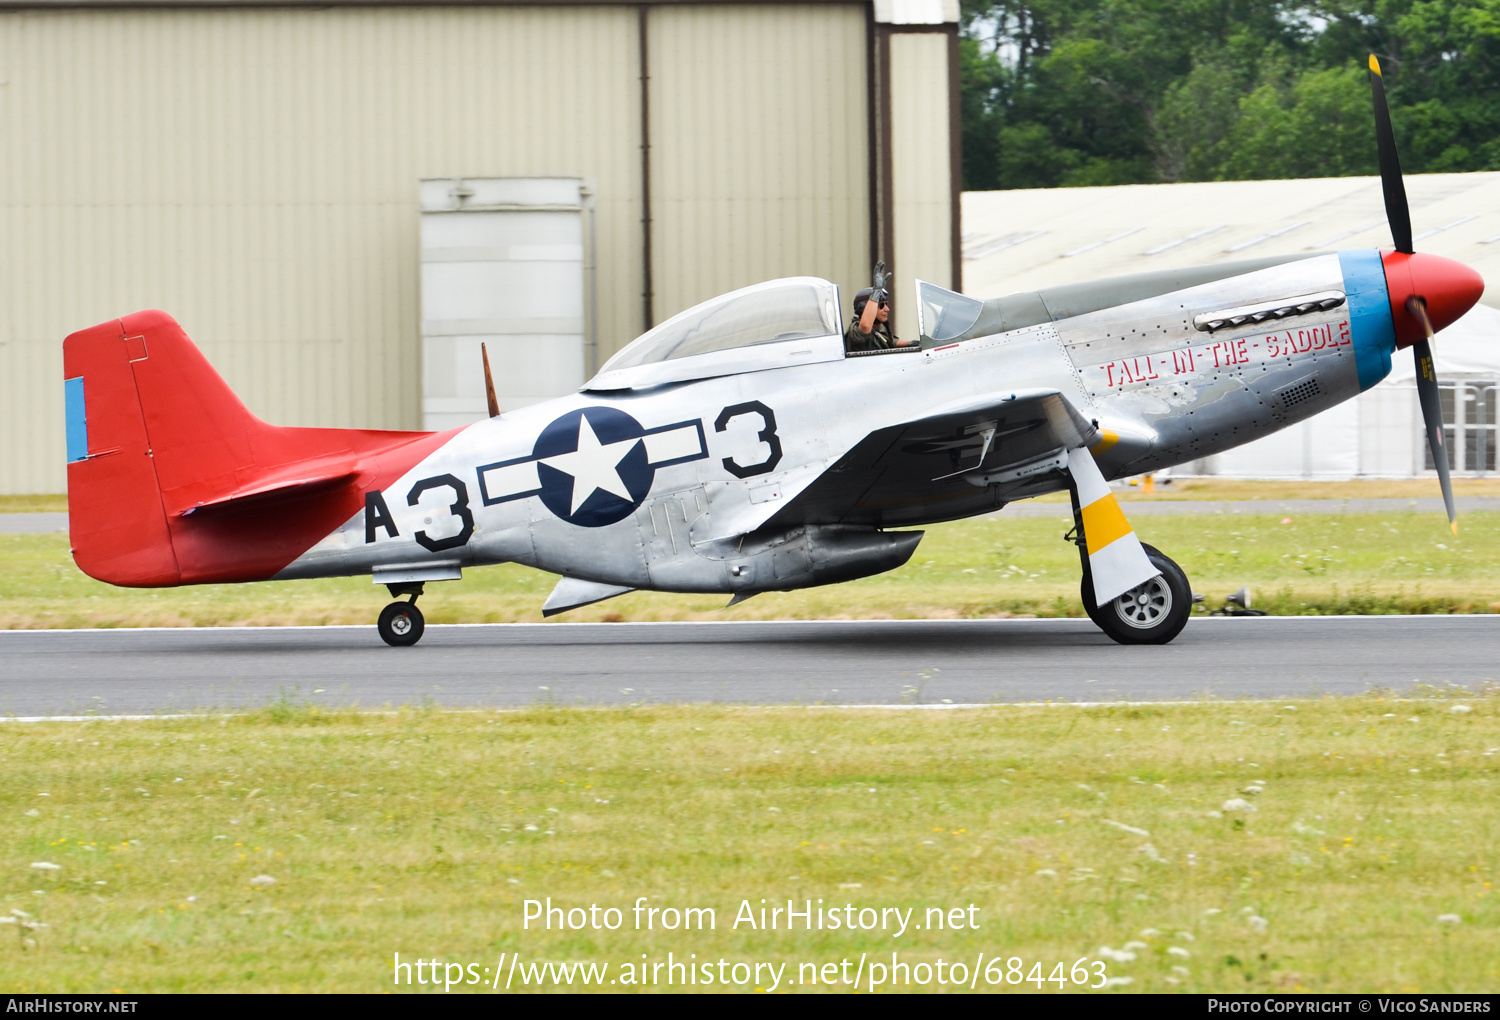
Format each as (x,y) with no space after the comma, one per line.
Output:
(1149,614)
(401,623)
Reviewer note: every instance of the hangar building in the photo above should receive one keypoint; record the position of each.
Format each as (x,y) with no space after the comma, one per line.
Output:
(318,190)
(1024,240)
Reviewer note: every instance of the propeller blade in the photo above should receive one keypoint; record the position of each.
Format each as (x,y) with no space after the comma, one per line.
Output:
(1397,213)
(1432,410)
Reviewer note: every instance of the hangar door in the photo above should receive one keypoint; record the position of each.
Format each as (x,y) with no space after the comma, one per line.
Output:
(502,265)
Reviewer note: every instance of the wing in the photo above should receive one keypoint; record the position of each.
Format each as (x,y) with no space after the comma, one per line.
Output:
(957,460)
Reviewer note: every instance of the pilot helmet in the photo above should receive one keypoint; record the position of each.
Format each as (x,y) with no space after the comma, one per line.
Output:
(862,298)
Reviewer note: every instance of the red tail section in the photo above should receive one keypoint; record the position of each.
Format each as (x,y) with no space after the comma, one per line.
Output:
(171,479)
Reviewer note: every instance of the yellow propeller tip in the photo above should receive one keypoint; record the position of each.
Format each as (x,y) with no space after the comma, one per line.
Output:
(1375,64)
(1454,526)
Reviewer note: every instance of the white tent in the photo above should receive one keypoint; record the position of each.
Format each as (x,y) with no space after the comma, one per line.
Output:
(1025,240)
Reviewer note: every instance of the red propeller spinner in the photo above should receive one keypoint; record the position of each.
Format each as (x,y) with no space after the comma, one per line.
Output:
(1448,288)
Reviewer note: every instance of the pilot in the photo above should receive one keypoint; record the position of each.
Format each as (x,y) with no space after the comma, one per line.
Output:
(870,329)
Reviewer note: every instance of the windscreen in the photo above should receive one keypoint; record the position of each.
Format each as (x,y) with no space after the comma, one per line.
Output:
(767,313)
(945,314)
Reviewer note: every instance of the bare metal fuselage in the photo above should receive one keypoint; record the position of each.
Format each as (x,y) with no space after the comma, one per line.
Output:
(721,462)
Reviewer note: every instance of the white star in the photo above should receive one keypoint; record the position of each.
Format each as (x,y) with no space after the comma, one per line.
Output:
(593,465)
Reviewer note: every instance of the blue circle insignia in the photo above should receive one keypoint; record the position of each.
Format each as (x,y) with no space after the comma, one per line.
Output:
(593,466)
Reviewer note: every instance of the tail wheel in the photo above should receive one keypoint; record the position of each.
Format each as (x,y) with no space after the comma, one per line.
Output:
(1149,614)
(401,624)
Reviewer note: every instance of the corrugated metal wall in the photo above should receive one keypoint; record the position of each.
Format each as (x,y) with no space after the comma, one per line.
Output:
(254,172)
(920,155)
(759,134)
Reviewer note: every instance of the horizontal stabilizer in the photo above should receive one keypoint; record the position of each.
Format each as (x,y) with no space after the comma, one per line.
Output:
(292,480)
(572,593)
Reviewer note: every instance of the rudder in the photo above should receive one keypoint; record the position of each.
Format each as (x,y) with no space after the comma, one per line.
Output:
(116,520)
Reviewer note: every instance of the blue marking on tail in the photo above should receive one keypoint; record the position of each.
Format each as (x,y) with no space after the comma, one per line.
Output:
(77,420)
(1369,315)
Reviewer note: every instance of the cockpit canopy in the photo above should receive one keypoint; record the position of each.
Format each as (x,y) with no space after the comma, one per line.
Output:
(770,325)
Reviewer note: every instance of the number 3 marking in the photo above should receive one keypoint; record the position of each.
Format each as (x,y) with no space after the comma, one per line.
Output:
(766,435)
(459,509)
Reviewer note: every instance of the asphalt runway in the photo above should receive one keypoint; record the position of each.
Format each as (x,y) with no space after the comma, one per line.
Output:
(931,662)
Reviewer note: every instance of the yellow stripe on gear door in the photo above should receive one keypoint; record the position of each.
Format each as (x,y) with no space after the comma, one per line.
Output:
(1116,559)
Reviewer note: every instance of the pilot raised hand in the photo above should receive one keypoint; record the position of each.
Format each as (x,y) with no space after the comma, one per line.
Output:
(870,329)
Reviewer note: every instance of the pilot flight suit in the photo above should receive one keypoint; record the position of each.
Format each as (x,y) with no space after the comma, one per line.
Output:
(878,339)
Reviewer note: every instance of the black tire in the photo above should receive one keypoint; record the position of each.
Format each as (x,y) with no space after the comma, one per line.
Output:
(401,624)
(1153,613)
(1086,592)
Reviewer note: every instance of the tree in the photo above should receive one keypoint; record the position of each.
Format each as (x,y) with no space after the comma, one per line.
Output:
(1194,123)
(1314,124)
(1072,92)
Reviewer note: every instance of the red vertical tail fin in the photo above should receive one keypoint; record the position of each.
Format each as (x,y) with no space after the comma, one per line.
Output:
(115,513)
(171,479)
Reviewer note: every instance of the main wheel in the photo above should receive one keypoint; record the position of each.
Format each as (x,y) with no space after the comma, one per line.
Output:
(1149,614)
(401,624)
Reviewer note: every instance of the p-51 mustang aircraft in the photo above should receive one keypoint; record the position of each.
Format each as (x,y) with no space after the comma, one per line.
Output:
(737,447)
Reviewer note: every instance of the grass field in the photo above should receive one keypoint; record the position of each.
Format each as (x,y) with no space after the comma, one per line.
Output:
(1355,563)
(1320,845)
(33,504)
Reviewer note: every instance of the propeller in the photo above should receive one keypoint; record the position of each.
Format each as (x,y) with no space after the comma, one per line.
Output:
(1410,274)
(1432,411)
(1397,212)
